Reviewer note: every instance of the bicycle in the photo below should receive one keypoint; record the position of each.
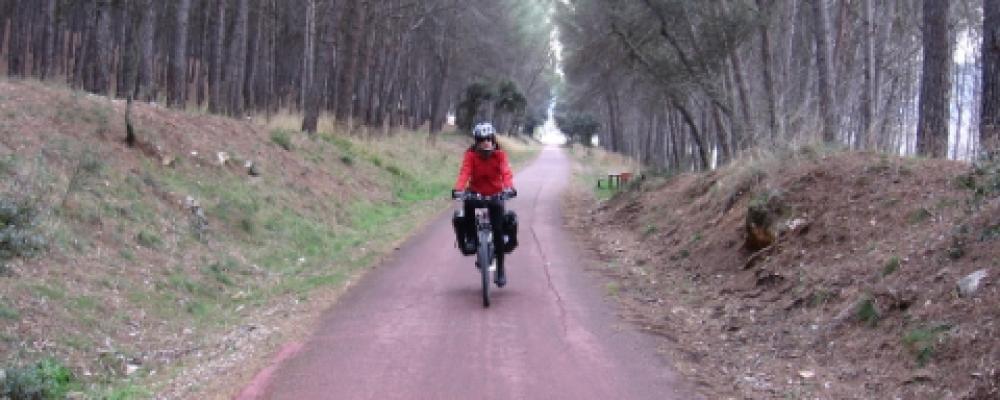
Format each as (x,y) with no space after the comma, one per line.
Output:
(487,258)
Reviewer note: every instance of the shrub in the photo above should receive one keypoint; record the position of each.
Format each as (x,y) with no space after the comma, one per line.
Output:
(891,266)
(47,379)
(867,313)
(394,170)
(19,233)
(7,164)
(649,230)
(148,240)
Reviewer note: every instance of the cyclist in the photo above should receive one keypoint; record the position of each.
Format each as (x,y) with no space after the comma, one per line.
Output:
(485,170)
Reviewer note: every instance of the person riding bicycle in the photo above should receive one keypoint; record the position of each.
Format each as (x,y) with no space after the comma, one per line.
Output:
(485,170)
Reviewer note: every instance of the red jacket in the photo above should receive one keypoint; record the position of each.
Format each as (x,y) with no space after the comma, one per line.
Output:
(485,176)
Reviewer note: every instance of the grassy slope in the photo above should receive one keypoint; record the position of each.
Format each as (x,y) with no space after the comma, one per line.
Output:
(132,276)
(860,304)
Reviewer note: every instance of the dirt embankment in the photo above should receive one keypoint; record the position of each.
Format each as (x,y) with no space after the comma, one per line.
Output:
(162,267)
(857,298)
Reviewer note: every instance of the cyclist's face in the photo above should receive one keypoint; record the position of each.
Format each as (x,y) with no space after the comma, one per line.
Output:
(484,144)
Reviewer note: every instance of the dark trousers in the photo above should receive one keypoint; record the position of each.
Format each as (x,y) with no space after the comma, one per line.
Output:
(496,210)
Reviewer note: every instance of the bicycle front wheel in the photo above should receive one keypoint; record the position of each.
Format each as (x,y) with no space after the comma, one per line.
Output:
(485,259)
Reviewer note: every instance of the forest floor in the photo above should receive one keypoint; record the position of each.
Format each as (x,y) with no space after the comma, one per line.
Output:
(154,270)
(857,298)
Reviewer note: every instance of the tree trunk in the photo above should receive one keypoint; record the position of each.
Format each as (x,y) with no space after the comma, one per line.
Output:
(309,52)
(825,68)
(103,56)
(147,34)
(766,67)
(348,59)
(237,60)
(703,161)
(126,50)
(725,152)
(442,54)
(49,58)
(935,85)
(327,46)
(215,103)
(748,132)
(868,88)
(16,39)
(990,117)
(178,61)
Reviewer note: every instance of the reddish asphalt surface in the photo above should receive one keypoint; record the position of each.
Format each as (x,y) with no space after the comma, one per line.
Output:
(415,327)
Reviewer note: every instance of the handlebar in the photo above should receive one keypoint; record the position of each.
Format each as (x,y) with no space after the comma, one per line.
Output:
(505,195)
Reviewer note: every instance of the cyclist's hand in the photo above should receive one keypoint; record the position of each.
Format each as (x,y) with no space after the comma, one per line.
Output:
(457,194)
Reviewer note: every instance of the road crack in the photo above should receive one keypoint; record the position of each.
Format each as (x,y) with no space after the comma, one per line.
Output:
(548,277)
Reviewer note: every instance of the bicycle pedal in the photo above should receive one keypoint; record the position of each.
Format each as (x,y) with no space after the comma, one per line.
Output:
(493,266)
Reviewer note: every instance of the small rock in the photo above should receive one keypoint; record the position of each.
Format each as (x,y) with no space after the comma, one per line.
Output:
(968,285)
(252,169)
(921,375)
(131,369)
(222,157)
(796,224)
(168,160)
(806,374)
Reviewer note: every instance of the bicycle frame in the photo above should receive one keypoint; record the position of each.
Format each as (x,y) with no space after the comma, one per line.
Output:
(487,258)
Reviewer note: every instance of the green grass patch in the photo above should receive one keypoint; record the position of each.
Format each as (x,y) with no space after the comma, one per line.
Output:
(613,288)
(303,285)
(50,292)
(867,313)
(820,297)
(921,342)
(649,230)
(128,255)
(304,238)
(890,266)
(183,283)
(77,342)
(990,233)
(84,303)
(197,308)
(8,164)
(342,143)
(918,216)
(282,138)
(127,392)
(148,240)
(8,313)
(222,271)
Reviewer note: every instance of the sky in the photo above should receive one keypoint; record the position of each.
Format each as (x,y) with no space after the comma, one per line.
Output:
(550,133)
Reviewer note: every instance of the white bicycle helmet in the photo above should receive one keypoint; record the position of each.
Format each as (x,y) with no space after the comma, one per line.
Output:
(483,130)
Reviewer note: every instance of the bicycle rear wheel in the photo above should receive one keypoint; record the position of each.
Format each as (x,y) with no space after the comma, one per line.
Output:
(485,258)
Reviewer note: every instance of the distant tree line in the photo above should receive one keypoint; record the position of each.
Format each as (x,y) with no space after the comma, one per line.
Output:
(366,62)
(689,84)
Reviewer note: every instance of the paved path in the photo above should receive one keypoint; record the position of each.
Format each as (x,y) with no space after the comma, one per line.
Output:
(415,327)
